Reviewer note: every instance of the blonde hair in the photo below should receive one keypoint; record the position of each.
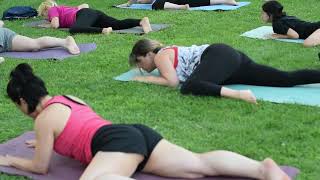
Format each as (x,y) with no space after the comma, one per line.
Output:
(44,7)
(142,48)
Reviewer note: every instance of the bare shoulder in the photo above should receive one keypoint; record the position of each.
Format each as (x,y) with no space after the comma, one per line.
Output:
(166,54)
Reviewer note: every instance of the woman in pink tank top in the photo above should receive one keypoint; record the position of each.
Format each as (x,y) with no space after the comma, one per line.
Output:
(82,19)
(68,126)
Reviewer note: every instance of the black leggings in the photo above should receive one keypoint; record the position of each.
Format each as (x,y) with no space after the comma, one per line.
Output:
(93,21)
(209,75)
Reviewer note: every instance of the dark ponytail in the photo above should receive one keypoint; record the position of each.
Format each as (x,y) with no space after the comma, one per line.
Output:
(273,9)
(24,84)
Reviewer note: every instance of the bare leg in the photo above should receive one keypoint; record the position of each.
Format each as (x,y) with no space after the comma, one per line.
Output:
(313,39)
(145,25)
(182,163)
(112,166)
(168,5)
(229,2)
(23,43)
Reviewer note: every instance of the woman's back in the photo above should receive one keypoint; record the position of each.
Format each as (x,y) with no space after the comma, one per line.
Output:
(75,138)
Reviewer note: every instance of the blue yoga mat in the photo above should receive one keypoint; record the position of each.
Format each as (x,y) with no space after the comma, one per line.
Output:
(303,94)
(201,8)
(264,31)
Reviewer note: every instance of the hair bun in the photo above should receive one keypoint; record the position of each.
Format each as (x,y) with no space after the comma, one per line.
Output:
(22,73)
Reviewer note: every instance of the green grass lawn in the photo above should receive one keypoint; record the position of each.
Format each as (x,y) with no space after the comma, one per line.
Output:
(288,133)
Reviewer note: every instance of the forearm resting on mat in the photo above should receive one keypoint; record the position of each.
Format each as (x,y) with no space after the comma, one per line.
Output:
(156,80)
(26,165)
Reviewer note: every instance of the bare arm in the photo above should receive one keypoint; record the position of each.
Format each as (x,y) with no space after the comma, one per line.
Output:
(55,22)
(165,66)
(291,34)
(245,95)
(43,150)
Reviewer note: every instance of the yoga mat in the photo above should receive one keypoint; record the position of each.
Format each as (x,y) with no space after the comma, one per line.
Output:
(264,31)
(201,8)
(134,30)
(62,168)
(302,94)
(38,23)
(139,30)
(51,53)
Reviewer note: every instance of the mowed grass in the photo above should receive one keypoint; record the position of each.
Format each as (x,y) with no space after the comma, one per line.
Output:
(287,133)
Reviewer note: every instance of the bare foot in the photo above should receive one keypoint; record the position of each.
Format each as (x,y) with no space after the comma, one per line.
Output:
(145,25)
(272,171)
(186,7)
(71,45)
(1,24)
(107,31)
(231,2)
(1,60)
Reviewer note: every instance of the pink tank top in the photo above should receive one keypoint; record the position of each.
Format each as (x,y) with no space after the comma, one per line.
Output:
(75,139)
(66,14)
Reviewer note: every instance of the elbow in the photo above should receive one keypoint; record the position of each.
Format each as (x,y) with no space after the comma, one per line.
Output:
(173,83)
(40,169)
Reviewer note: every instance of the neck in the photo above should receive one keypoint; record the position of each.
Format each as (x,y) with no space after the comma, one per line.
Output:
(40,106)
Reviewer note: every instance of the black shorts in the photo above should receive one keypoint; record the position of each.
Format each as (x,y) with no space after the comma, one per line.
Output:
(196,3)
(135,138)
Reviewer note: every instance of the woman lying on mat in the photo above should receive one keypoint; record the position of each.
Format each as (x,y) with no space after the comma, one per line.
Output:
(10,41)
(82,19)
(289,26)
(181,4)
(204,69)
(113,151)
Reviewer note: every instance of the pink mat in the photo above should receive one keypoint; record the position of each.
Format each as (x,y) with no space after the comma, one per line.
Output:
(62,168)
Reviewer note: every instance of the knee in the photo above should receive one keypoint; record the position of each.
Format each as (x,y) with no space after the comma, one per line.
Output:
(308,43)
(35,45)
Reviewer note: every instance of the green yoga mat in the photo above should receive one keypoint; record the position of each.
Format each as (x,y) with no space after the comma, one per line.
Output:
(303,94)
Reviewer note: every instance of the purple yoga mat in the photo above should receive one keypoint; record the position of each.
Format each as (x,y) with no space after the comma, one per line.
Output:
(63,168)
(51,53)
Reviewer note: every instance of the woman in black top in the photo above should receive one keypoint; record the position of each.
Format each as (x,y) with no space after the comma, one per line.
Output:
(289,26)
(181,4)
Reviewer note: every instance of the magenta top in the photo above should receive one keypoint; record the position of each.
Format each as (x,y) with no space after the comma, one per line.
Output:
(75,139)
(66,15)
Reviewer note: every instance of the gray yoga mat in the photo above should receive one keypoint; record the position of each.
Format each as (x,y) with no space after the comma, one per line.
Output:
(62,168)
(304,94)
(134,30)
(49,54)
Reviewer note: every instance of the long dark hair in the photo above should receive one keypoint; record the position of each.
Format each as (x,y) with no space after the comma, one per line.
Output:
(273,9)
(24,84)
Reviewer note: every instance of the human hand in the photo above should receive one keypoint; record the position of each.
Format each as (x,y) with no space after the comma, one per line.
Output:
(137,78)
(248,96)
(4,161)
(47,25)
(107,30)
(267,36)
(31,143)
